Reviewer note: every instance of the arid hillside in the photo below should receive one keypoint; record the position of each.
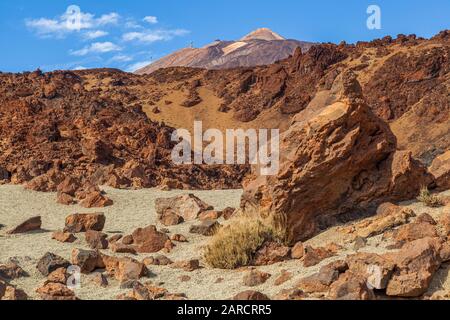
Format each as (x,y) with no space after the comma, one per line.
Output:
(115,126)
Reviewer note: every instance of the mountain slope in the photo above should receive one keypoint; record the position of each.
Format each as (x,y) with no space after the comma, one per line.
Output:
(260,47)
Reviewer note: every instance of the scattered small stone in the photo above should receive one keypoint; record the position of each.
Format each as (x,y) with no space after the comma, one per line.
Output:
(228,213)
(58,276)
(122,248)
(14,294)
(314,256)
(149,239)
(210,215)
(219,280)
(250,295)
(158,260)
(114,238)
(178,238)
(11,271)
(127,239)
(283,277)
(360,243)
(206,228)
(64,237)
(297,251)
(170,218)
(96,239)
(184,278)
(255,278)
(99,279)
(80,222)
(50,262)
(56,291)
(29,225)
(87,260)
(187,265)
(270,253)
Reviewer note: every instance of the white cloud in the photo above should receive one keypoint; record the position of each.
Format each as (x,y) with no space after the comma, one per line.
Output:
(151,19)
(110,18)
(70,21)
(138,65)
(97,47)
(121,58)
(79,68)
(89,35)
(149,36)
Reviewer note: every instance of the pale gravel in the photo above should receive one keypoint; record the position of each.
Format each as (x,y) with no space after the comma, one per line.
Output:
(133,209)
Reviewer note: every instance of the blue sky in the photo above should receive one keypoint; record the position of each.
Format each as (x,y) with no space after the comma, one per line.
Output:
(128,34)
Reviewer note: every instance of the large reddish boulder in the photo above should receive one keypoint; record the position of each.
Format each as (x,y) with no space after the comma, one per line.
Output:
(124,268)
(149,240)
(56,291)
(342,160)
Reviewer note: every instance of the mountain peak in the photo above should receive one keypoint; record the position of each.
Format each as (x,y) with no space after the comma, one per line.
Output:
(262,34)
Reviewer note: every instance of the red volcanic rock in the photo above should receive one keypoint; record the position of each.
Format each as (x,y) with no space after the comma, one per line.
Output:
(11,271)
(51,262)
(123,269)
(31,224)
(96,239)
(96,200)
(250,295)
(186,206)
(255,278)
(64,237)
(56,291)
(340,160)
(270,253)
(415,266)
(81,222)
(87,260)
(440,168)
(149,240)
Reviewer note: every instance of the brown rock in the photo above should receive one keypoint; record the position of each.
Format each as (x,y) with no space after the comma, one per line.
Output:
(56,291)
(114,238)
(255,278)
(425,217)
(50,262)
(186,265)
(283,277)
(338,161)
(416,263)
(127,239)
(314,256)
(440,169)
(321,281)
(169,218)
(209,215)
(297,251)
(350,287)
(122,248)
(444,221)
(3,286)
(414,231)
(187,206)
(178,238)
(99,279)
(58,276)
(64,237)
(31,224)
(124,269)
(149,240)
(65,199)
(14,294)
(11,271)
(96,239)
(290,294)
(87,260)
(184,278)
(158,260)
(270,253)
(81,222)
(376,269)
(147,292)
(96,200)
(250,295)
(206,228)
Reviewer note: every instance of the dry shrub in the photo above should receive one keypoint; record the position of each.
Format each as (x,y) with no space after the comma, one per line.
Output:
(430,200)
(234,246)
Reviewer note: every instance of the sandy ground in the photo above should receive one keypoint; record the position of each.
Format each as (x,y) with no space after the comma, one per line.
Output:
(135,208)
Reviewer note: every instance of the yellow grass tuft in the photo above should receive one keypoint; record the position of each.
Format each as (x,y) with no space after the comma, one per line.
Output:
(235,245)
(429,199)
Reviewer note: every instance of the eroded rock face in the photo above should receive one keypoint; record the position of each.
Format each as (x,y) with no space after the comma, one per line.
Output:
(440,168)
(416,264)
(339,161)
